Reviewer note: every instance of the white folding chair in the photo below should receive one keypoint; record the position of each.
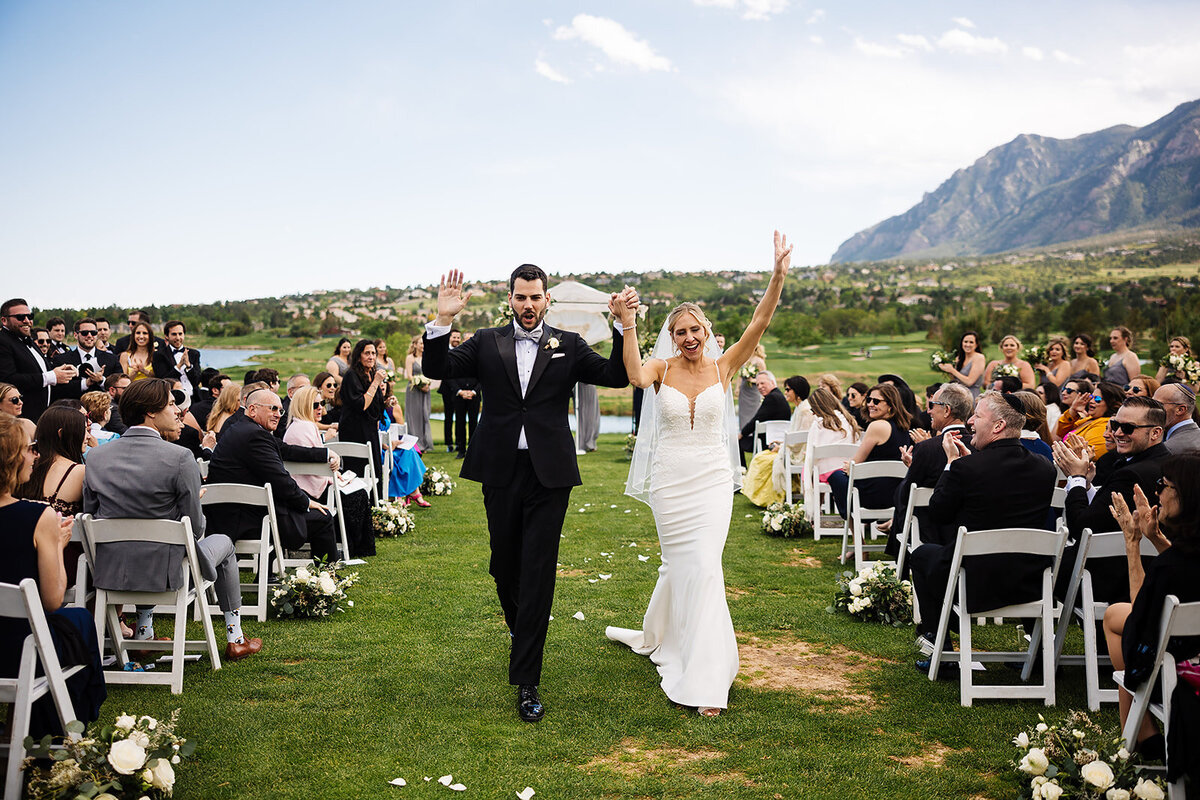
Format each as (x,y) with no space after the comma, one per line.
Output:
(24,602)
(1080,604)
(774,431)
(1023,541)
(1059,502)
(333,501)
(791,466)
(859,518)
(192,589)
(203,465)
(386,460)
(358,450)
(252,554)
(1178,619)
(910,533)
(816,493)
(79,594)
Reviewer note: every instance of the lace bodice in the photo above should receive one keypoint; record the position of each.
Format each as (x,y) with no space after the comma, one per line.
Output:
(698,423)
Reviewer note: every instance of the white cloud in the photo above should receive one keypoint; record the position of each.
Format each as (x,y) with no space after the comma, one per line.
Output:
(620,45)
(1167,70)
(816,40)
(915,41)
(547,71)
(959,41)
(749,9)
(963,22)
(816,16)
(1065,58)
(876,50)
(1032,53)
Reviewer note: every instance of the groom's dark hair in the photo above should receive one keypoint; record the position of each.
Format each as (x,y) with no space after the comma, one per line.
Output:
(528,272)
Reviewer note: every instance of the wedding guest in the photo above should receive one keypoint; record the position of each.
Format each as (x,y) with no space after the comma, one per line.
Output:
(831,424)
(1132,629)
(57,475)
(1089,419)
(382,361)
(749,398)
(294,384)
(23,364)
(969,367)
(41,340)
(1144,385)
(104,330)
(212,389)
(855,402)
(227,404)
(760,484)
(1123,363)
(1006,384)
(33,538)
(773,406)
(98,406)
(178,362)
(116,384)
(327,384)
(1035,435)
(339,363)
(1057,368)
(11,401)
(1084,364)
(831,382)
(1179,346)
(365,391)
(416,396)
(1179,402)
(1010,347)
(449,391)
(886,433)
(1052,398)
(138,360)
(91,363)
(134,318)
(408,470)
(56,327)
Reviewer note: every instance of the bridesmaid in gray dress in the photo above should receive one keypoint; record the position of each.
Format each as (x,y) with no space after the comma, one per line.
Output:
(416,399)
(587,416)
(749,398)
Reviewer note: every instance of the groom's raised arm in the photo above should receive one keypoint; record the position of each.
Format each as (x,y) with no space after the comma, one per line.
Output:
(595,368)
(438,361)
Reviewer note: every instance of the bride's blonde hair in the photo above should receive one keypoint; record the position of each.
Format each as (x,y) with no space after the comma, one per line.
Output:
(688,308)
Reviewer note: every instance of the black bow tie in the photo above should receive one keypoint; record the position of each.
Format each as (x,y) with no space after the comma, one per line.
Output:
(534,335)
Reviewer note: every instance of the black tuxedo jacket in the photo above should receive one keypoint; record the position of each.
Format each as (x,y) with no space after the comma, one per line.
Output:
(928,463)
(19,367)
(248,453)
(107,362)
(1143,469)
(163,362)
(774,407)
(491,357)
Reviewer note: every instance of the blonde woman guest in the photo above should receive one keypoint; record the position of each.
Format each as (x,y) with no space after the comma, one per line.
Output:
(98,406)
(969,367)
(136,361)
(1035,434)
(749,398)
(416,398)
(831,425)
(1059,367)
(225,406)
(339,363)
(1084,363)
(303,416)
(11,400)
(830,382)
(1179,346)
(1010,347)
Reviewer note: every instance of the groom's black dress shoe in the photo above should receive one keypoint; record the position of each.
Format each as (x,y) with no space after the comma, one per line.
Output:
(529,705)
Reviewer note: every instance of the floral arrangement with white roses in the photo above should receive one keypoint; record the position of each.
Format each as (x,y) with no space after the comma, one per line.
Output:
(437,483)
(1006,370)
(1182,363)
(630,443)
(939,357)
(875,594)
(316,592)
(420,382)
(502,315)
(787,520)
(135,757)
(749,372)
(1077,759)
(392,519)
(1035,354)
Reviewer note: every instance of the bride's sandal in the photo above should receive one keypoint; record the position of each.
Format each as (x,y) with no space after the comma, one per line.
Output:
(708,711)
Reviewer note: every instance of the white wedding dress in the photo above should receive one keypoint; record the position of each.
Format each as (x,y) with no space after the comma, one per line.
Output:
(687,631)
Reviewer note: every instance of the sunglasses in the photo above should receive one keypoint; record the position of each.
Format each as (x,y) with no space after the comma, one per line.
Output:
(317,405)
(86,333)
(938,403)
(16,399)
(1067,390)
(1126,428)
(1161,484)
(22,317)
(42,341)
(1135,390)
(33,448)
(1097,398)
(875,401)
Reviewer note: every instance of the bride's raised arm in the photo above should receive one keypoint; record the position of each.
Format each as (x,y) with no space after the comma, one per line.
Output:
(640,375)
(739,353)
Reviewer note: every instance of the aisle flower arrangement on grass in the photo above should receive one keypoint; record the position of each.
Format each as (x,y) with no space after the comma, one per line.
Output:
(1035,354)
(630,443)
(318,591)
(787,520)
(437,483)
(875,594)
(392,519)
(1078,759)
(134,757)
(939,357)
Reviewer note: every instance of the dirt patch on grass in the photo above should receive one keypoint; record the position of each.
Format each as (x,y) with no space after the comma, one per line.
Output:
(798,666)
(571,572)
(632,759)
(913,350)
(934,756)
(733,591)
(800,558)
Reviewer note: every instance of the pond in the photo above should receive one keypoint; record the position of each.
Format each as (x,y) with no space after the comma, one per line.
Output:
(225,358)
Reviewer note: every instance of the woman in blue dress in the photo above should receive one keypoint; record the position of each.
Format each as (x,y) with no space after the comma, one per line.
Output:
(408,470)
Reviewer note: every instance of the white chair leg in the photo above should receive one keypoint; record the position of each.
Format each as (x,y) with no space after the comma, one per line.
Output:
(964,656)
(178,647)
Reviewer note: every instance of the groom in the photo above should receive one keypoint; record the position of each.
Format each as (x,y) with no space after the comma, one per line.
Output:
(522,452)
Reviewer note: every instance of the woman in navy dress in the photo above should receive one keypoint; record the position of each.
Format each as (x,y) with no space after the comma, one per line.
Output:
(886,433)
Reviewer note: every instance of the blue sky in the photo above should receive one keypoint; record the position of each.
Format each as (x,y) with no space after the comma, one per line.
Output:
(172,152)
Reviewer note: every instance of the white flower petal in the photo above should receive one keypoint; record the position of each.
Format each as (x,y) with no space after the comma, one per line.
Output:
(526,793)
(458,787)
(446,780)
(578,615)
(643,558)
(399,782)
(593,580)
(604,577)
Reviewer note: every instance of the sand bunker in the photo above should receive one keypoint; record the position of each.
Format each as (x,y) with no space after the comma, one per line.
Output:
(798,666)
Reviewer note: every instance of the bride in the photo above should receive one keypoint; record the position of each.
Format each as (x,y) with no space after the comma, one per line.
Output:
(685,468)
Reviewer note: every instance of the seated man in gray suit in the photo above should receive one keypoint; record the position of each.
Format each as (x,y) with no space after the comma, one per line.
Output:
(1182,434)
(144,476)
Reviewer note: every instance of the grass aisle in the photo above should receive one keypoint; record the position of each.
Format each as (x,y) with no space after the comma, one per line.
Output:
(411,682)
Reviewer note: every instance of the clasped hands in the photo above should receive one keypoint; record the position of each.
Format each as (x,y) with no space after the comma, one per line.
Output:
(623,305)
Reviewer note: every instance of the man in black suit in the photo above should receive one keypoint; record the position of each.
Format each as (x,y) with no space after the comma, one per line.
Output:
(92,363)
(116,384)
(22,364)
(1002,485)
(523,452)
(949,409)
(1140,452)
(449,390)
(212,388)
(1179,401)
(294,384)
(248,453)
(177,361)
(56,327)
(774,407)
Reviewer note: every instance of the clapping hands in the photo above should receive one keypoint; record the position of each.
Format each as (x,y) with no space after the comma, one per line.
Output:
(1143,521)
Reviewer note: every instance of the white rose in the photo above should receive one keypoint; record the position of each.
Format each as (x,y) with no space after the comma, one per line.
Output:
(126,722)
(1078,734)
(1098,774)
(1116,794)
(105,796)
(126,756)
(865,602)
(151,722)
(327,585)
(303,574)
(324,574)
(1021,740)
(1123,754)
(1034,762)
(140,738)
(1051,791)
(856,587)
(775,525)
(162,776)
(1041,727)
(1147,790)
(1038,781)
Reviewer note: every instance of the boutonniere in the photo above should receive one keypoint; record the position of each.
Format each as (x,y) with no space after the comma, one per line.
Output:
(552,343)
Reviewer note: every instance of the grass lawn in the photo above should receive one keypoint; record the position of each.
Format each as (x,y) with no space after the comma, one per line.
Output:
(411,682)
